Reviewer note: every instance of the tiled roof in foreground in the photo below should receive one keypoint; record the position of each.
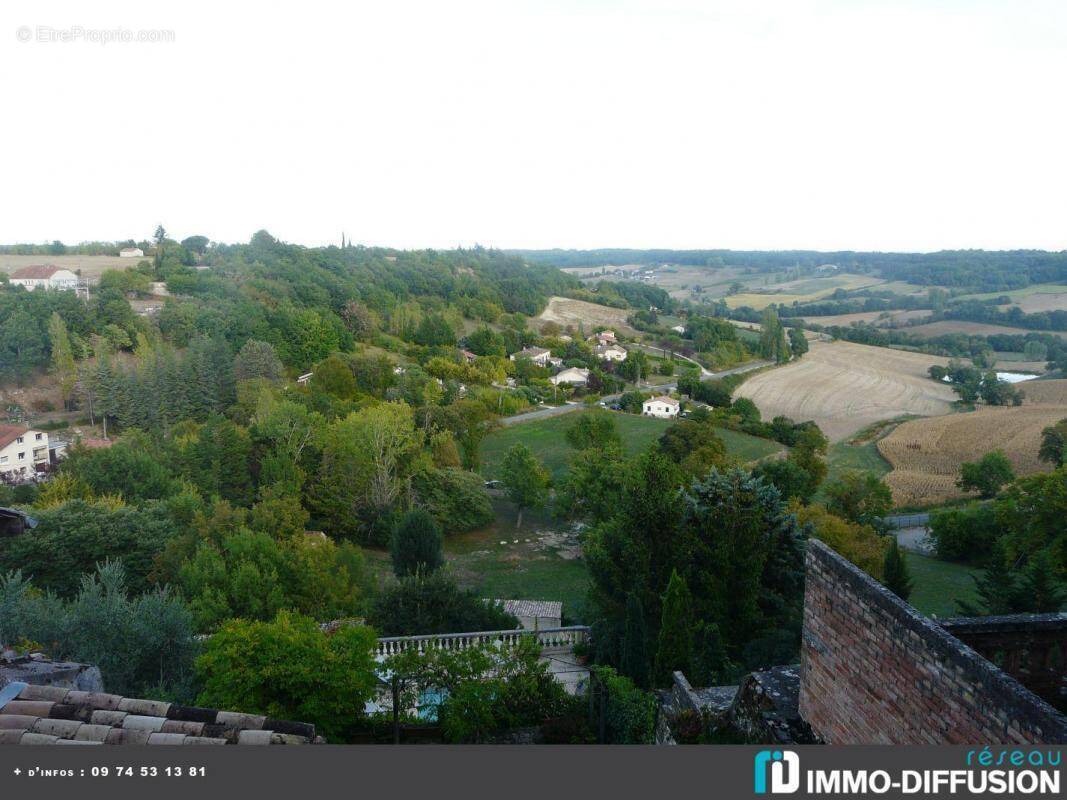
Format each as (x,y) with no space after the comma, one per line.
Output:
(54,715)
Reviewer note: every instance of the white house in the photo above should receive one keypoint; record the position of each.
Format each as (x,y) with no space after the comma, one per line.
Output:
(131,252)
(679,329)
(663,407)
(537,355)
(609,352)
(605,337)
(22,450)
(575,376)
(44,277)
(305,379)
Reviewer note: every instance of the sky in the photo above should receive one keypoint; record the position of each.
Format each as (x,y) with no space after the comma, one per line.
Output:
(745,125)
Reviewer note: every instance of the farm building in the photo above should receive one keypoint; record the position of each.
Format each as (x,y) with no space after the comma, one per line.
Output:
(662,407)
(131,252)
(605,337)
(575,376)
(21,450)
(468,356)
(610,352)
(538,355)
(679,329)
(44,277)
(534,615)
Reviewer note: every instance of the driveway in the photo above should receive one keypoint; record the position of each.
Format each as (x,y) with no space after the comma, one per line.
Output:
(541,413)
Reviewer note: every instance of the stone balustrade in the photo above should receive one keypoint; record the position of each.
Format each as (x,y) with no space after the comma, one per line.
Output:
(549,639)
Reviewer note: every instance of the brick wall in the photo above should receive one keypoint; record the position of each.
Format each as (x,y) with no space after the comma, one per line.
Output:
(875,671)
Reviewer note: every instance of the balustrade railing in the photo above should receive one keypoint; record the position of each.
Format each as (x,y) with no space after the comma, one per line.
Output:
(550,638)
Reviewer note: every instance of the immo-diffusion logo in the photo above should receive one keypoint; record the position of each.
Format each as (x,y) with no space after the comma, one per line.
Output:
(784,769)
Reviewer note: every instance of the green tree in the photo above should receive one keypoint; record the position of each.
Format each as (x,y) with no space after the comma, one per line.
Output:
(798,342)
(525,479)
(634,663)
(772,343)
(416,546)
(434,603)
(859,497)
(675,648)
(895,571)
(593,429)
(1041,589)
(987,475)
(289,669)
(258,359)
(1054,444)
(63,366)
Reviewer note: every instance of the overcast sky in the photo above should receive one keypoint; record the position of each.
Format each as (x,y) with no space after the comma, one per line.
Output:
(756,125)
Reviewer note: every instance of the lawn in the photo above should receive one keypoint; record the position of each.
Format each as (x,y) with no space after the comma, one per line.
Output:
(547,439)
(939,584)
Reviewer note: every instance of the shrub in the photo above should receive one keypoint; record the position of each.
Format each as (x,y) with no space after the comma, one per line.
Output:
(457,499)
(966,533)
(424,604)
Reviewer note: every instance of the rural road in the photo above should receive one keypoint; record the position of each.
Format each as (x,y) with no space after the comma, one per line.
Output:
(541,413)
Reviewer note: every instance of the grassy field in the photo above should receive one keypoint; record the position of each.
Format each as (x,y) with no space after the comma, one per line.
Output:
(801,291)
(939,584)
(546,438)
(535,562)
(565,311)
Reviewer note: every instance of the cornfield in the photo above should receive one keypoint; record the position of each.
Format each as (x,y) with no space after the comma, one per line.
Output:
(926,453)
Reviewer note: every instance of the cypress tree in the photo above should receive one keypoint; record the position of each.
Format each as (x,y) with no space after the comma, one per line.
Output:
(634,662)
(416,545)
(897,579)
(1040,589)
(675,647)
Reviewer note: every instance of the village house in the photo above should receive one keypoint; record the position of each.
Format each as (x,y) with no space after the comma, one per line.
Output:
(604,337)
(44,277)
(610,352)
(663,407)
(537,355)
(574,376)
(468,356)
(131,252)
(22,451)
(679,329)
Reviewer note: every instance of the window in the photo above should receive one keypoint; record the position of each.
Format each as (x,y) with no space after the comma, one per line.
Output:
(38,436)
(22,456)
(3,459)
(19,440)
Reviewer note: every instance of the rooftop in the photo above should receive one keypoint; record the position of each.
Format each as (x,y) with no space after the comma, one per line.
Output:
(532,608)
(663,399)
(9,433)
(39,271)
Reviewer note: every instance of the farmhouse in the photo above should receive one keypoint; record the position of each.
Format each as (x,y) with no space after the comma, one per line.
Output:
(609,352)
(604,337)
(21,450)
(663,407)
(537,355)
(575,376)
(44,277)
(131,252)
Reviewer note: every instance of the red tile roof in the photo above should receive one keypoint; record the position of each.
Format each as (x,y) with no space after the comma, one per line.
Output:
(9,433)
(55,715)
(39,271)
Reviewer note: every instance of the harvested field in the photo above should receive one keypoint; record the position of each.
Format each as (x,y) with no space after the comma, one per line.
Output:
(875,318)
(845,387)
(926,453)
(1034,303)
(946,326)
(801,291)
(1045,392)
(91,267)
(564,311)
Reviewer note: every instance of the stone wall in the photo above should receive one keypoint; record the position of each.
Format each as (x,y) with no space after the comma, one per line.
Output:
(875,671)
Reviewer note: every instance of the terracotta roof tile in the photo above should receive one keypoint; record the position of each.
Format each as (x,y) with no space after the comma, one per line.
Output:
(54,715)
(9,433)
(36,271)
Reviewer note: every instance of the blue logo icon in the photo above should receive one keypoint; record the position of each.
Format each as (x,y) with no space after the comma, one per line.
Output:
(782,782)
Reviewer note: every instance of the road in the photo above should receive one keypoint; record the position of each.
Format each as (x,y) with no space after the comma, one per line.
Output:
(541,413)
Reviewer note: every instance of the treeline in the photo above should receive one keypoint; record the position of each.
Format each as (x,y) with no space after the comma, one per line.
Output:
(978,270)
